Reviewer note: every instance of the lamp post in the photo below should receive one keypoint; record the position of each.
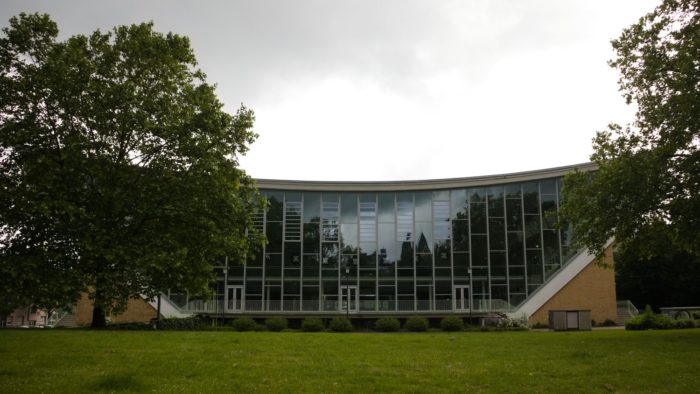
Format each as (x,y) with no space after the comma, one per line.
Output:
(347,292)
(469,271)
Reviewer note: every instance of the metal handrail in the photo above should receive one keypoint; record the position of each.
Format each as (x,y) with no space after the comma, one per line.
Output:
(627,306)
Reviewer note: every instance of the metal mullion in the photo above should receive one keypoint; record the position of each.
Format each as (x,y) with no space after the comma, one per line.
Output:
(432,223)
(301,254)
(561,248)
(396,265)
(471,251)
(376,253)
(488,247)
(413,235)
(265,301)
(284,242)
(539,200)
(320,254)
(453,292)
(505,235)
(522,214)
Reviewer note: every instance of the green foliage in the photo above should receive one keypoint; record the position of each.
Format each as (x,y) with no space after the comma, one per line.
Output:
(244,324)
(185,323)
(276,323)
(118,167)
(648,172)
(696,315)
(387,324)
(312,324)
(650,269)
(340,324)
(649,320)
(416,324)
(452,323)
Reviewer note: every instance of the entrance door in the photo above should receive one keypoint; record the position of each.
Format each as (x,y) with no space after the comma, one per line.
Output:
(349,299)
(234,298)
(462,298)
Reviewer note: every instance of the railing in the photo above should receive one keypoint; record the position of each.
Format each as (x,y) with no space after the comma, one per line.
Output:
(56,316)
(627,306)
(442,305)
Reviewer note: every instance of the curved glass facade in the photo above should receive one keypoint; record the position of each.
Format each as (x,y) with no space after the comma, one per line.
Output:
(447,250)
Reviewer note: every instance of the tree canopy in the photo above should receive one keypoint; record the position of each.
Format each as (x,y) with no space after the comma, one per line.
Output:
(648,173)
(118,167)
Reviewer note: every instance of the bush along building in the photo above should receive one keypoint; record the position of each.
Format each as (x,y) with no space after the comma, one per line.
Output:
(468,247)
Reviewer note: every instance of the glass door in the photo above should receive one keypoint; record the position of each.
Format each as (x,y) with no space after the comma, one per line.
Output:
(349,299)
(462,298)
(234,298)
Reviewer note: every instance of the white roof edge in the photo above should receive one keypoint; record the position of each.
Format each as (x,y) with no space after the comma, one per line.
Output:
(428,184)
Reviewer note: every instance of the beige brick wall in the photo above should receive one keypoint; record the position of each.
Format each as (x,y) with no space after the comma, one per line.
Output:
(593,288)
(137,310)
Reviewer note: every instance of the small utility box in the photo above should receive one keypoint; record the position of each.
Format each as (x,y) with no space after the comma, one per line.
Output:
(563,320)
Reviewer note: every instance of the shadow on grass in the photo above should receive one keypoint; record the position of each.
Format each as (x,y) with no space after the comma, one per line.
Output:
(118,382)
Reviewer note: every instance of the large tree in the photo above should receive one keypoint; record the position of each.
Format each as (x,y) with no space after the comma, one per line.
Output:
(668,276)
(648,173)
(118,167)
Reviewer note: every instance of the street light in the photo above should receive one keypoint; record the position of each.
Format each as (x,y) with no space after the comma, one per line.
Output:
(469,271)
(347,292)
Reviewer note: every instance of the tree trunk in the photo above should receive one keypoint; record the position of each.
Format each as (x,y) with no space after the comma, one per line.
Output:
(98,317)
(98,314)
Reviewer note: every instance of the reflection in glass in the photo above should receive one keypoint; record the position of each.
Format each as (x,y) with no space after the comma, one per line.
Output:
(348,238)
(424,237)
(275,206)
(348,207)
(477,217)
(459,204)
(312,238)
(405,254)
(531,197)
(386,208)
(423,206)
(312,207)
(460,235)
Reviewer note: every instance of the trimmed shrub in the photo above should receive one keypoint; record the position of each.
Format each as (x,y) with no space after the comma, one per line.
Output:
(684,323)
(185,323)
(452,323)
(340,324)
(387,324)
(276,323)
(416,324)
(312,324)
(244,324)
(696,315)
(649,320)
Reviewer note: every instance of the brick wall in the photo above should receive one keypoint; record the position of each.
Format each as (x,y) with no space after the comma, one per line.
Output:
(138,310)
(593,288)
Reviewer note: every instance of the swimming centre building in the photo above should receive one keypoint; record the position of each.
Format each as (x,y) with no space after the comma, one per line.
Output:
(466,246)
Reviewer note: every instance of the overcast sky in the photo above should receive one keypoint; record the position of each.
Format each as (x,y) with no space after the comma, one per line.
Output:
(395,90)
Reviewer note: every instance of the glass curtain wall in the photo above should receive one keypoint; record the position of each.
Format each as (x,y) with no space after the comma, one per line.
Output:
(481,249)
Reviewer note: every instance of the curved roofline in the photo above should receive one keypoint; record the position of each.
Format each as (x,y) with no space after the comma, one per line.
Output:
(428,184)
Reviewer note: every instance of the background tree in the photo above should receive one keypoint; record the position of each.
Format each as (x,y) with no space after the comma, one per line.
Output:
(118,166)
(667,277)
(648,172)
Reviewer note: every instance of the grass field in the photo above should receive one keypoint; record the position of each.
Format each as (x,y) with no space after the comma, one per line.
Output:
(229,362)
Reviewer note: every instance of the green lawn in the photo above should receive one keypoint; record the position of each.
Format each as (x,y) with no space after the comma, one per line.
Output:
(231,362)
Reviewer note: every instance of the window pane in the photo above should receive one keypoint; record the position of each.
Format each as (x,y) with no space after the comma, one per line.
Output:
(312,238)
(459,204)
(423,206)
(348,208)
(477,213)
(386,208)
(312,207)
